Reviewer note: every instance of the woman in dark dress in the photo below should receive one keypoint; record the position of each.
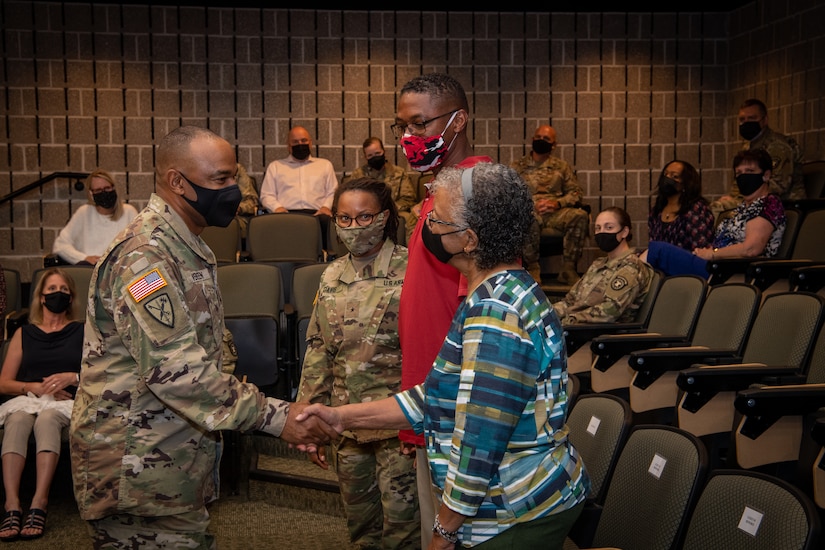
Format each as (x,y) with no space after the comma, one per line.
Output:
(41,369)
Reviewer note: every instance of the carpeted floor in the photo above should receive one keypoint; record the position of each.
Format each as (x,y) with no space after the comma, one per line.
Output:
(270,516)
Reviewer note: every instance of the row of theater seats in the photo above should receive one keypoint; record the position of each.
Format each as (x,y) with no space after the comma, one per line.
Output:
(653,486)
(741,370)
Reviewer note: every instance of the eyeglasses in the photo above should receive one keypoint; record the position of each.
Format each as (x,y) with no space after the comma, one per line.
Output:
(102,190)
(433,221)
(362,220)
(415,128)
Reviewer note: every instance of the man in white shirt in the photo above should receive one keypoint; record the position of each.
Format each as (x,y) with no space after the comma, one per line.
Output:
(300,182)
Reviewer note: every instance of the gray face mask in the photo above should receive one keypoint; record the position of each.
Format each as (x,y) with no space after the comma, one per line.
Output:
(360,240)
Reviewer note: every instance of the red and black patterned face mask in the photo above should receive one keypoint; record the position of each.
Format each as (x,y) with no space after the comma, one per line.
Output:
(425,153)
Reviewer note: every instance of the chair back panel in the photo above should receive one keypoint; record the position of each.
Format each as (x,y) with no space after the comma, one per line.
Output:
(646,308)
(778,515)
(599,424)
(808,243)
(250,289)
(793,219)
(677,305)
(287,237)
(816,364)
(727,314)
(656,481)
(783,331)
(225,242)
(305,282)
(252,302)
(14,290)
(814,174)
(256,339)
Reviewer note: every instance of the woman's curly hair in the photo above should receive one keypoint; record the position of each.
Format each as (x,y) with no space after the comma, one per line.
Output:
(498,207)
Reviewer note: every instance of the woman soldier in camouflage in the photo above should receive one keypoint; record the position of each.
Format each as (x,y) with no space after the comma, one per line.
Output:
(353,355)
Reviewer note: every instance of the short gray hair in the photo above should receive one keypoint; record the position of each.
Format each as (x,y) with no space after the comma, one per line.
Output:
(499,209)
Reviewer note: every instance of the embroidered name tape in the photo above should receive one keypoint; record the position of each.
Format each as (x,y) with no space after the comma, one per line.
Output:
(146,285)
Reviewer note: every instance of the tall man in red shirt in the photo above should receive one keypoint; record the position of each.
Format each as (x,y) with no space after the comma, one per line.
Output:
(431,123)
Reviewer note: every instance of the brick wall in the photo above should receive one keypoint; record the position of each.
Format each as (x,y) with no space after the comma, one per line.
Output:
(86,85)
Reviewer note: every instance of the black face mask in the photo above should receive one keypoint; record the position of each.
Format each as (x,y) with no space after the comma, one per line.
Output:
(217,206)
(57,302)
(542,147)
(105,199)
(432,242)
(668,187)
(750,129)
(300,151)
(749,183)
(607,242)
(377,163)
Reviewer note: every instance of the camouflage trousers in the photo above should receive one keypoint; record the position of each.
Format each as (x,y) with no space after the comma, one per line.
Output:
(378,488)
(178,532)
(573,223)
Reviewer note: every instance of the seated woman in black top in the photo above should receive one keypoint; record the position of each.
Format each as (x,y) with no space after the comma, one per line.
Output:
(41,368)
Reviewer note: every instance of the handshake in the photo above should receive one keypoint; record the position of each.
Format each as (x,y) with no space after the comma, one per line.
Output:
(309,425)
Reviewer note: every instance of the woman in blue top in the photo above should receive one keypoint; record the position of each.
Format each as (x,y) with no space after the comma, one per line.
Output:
(755,229)
(493,409)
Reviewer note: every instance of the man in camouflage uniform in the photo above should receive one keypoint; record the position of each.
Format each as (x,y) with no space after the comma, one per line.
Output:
(353,355)
(378,167)
(786,174)
(556,198)
(145,429)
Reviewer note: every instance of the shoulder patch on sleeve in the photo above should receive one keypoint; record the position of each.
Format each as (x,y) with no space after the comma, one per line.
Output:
(618,283)
(160,308)
(146,285)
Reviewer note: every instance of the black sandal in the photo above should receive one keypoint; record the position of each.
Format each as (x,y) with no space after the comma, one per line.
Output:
(35,520)
(11,522)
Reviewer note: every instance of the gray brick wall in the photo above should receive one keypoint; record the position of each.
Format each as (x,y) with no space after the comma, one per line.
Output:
(84,85)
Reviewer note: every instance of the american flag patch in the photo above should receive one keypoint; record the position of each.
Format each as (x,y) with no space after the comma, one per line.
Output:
(146,285)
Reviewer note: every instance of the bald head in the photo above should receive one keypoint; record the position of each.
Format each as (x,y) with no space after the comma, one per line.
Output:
(545,132)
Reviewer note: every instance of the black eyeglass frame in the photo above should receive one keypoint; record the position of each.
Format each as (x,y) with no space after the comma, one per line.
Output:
(399,130)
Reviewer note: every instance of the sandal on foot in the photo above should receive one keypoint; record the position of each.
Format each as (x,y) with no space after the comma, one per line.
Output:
(35,520)
(11,522)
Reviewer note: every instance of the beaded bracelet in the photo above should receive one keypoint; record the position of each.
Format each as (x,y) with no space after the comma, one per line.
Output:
(449,536)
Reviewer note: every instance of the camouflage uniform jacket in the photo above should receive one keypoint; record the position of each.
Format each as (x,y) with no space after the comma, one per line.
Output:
(786,174)
(552,179)
(610,290)
(403,192)
(152,397)
(353,353)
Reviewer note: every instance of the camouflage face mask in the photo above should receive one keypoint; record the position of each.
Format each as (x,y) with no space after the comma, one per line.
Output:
(360,240)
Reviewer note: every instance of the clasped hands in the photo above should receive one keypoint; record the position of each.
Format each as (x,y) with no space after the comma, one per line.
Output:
(310,425)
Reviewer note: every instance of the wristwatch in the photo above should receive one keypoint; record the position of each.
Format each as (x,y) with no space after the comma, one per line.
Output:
(449,536)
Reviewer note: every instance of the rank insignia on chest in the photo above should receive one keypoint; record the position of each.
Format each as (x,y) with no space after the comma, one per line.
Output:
(146,285)
(160,308)
(618,283)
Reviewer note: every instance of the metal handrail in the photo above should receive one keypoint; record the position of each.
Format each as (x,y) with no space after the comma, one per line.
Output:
(39,183)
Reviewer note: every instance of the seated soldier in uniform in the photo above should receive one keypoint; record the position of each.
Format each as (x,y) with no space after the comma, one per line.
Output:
(615,285)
